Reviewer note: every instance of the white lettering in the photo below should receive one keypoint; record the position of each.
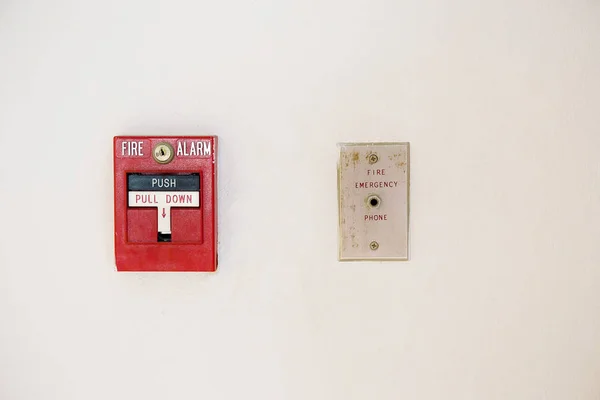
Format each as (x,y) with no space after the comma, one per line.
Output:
(131,149)
(164,182)
(195,149)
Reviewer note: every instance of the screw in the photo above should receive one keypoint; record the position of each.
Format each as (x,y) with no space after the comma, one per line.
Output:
(373,158)
(374,245)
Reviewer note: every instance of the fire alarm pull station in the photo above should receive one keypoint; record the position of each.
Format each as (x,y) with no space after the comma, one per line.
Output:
(165,203)
(373,188)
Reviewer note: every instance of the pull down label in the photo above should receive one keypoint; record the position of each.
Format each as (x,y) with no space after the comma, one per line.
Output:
(163,201)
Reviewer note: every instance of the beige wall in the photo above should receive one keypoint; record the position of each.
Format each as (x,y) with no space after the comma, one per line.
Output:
(500,101)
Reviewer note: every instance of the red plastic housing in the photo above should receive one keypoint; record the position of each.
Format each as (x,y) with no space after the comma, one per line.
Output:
(192,244)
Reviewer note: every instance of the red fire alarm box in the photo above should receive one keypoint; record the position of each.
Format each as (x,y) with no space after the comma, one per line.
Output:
(165,203)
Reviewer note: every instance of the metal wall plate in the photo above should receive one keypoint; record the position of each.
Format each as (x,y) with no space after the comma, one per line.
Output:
(373,198)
